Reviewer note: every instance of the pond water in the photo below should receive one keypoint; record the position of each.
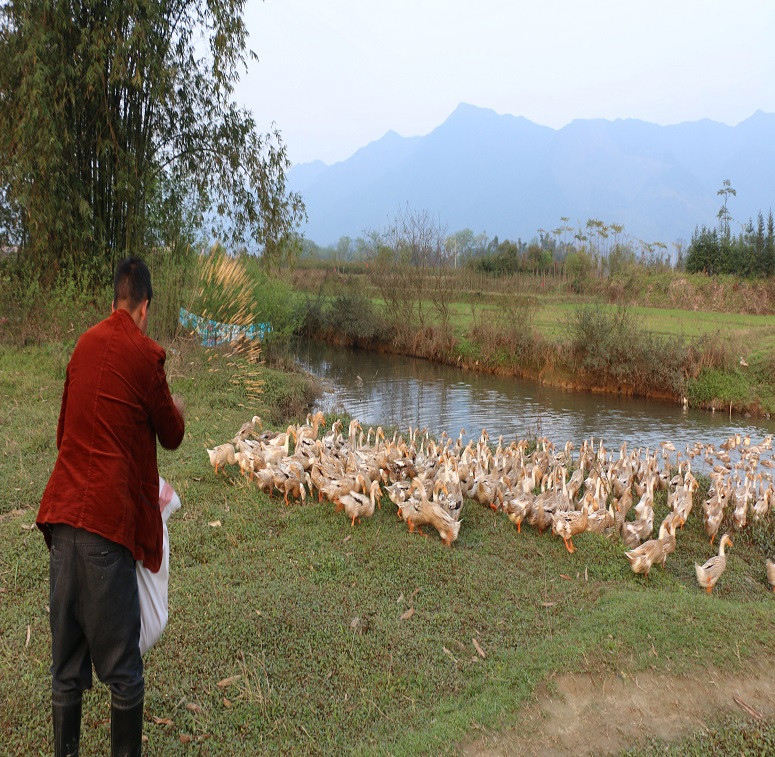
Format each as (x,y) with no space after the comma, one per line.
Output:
(403,391)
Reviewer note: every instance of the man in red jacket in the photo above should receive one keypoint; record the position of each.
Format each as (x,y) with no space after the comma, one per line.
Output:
(100,511)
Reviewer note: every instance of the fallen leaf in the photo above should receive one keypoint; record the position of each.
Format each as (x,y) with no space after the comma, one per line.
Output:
(197,478)
(586,574)
(479,649)
(348,537)
(414,593)
(28,526)
(194,707)
(185,738)
(162,721)
(29,633)
(399,600)
(408,614)
(567,578)
(449,654)
(226,702)
(224,682)
(548,604)
(214,523)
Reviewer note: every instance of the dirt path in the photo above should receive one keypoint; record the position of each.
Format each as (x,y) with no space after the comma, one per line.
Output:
(596,715)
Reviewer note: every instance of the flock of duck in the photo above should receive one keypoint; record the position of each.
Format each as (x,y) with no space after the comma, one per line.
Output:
(548,488)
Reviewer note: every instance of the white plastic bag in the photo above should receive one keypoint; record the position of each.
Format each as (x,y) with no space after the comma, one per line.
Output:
(152,587)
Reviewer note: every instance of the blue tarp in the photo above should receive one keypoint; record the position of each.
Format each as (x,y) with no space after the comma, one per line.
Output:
(214,333)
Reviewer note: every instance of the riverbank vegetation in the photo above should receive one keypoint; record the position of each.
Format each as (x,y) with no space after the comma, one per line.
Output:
(609,336)
(290,631)
(536,328)
(587,308)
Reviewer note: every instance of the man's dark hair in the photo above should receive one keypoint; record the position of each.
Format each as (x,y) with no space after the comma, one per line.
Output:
(132,282)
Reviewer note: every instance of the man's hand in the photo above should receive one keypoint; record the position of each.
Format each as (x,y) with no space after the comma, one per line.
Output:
(180,405)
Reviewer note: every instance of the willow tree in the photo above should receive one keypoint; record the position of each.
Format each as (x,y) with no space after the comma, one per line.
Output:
(118,128)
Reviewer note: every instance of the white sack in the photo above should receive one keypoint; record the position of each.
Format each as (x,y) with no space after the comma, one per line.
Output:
(152,587)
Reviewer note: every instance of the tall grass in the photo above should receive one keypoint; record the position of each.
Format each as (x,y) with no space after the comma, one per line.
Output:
(218,286)
(34,312)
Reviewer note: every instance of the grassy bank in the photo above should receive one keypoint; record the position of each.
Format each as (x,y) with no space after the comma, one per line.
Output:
(671,336)
(289,631)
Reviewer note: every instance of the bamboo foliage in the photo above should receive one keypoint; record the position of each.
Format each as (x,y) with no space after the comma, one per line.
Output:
(116,123)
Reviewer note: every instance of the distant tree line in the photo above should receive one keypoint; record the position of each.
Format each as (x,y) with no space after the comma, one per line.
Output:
(596,249)
(592,249)
(750,254)
(717,251)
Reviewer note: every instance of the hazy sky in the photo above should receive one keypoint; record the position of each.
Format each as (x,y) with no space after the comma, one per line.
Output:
(334,75)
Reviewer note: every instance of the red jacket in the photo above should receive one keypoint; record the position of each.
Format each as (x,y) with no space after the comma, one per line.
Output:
(115,403)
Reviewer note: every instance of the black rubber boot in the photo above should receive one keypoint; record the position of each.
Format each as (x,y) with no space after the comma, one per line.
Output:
(126,727)
(66,715)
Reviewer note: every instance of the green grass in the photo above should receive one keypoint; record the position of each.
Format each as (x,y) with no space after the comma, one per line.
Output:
(727,735)
(551,317)
(270,600)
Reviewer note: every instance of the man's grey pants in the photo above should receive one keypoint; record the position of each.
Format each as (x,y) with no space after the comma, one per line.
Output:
(95,616)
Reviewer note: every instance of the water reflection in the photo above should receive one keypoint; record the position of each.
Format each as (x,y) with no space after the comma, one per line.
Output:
(402,391)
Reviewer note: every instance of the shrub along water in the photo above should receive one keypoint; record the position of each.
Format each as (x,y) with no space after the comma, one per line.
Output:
(348,318)
(607,348)
(213,284)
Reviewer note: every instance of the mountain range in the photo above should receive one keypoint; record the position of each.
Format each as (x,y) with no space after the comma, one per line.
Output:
(509,177)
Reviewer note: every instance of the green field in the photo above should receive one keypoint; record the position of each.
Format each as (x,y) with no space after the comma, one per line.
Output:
(289,630)
(550,315)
